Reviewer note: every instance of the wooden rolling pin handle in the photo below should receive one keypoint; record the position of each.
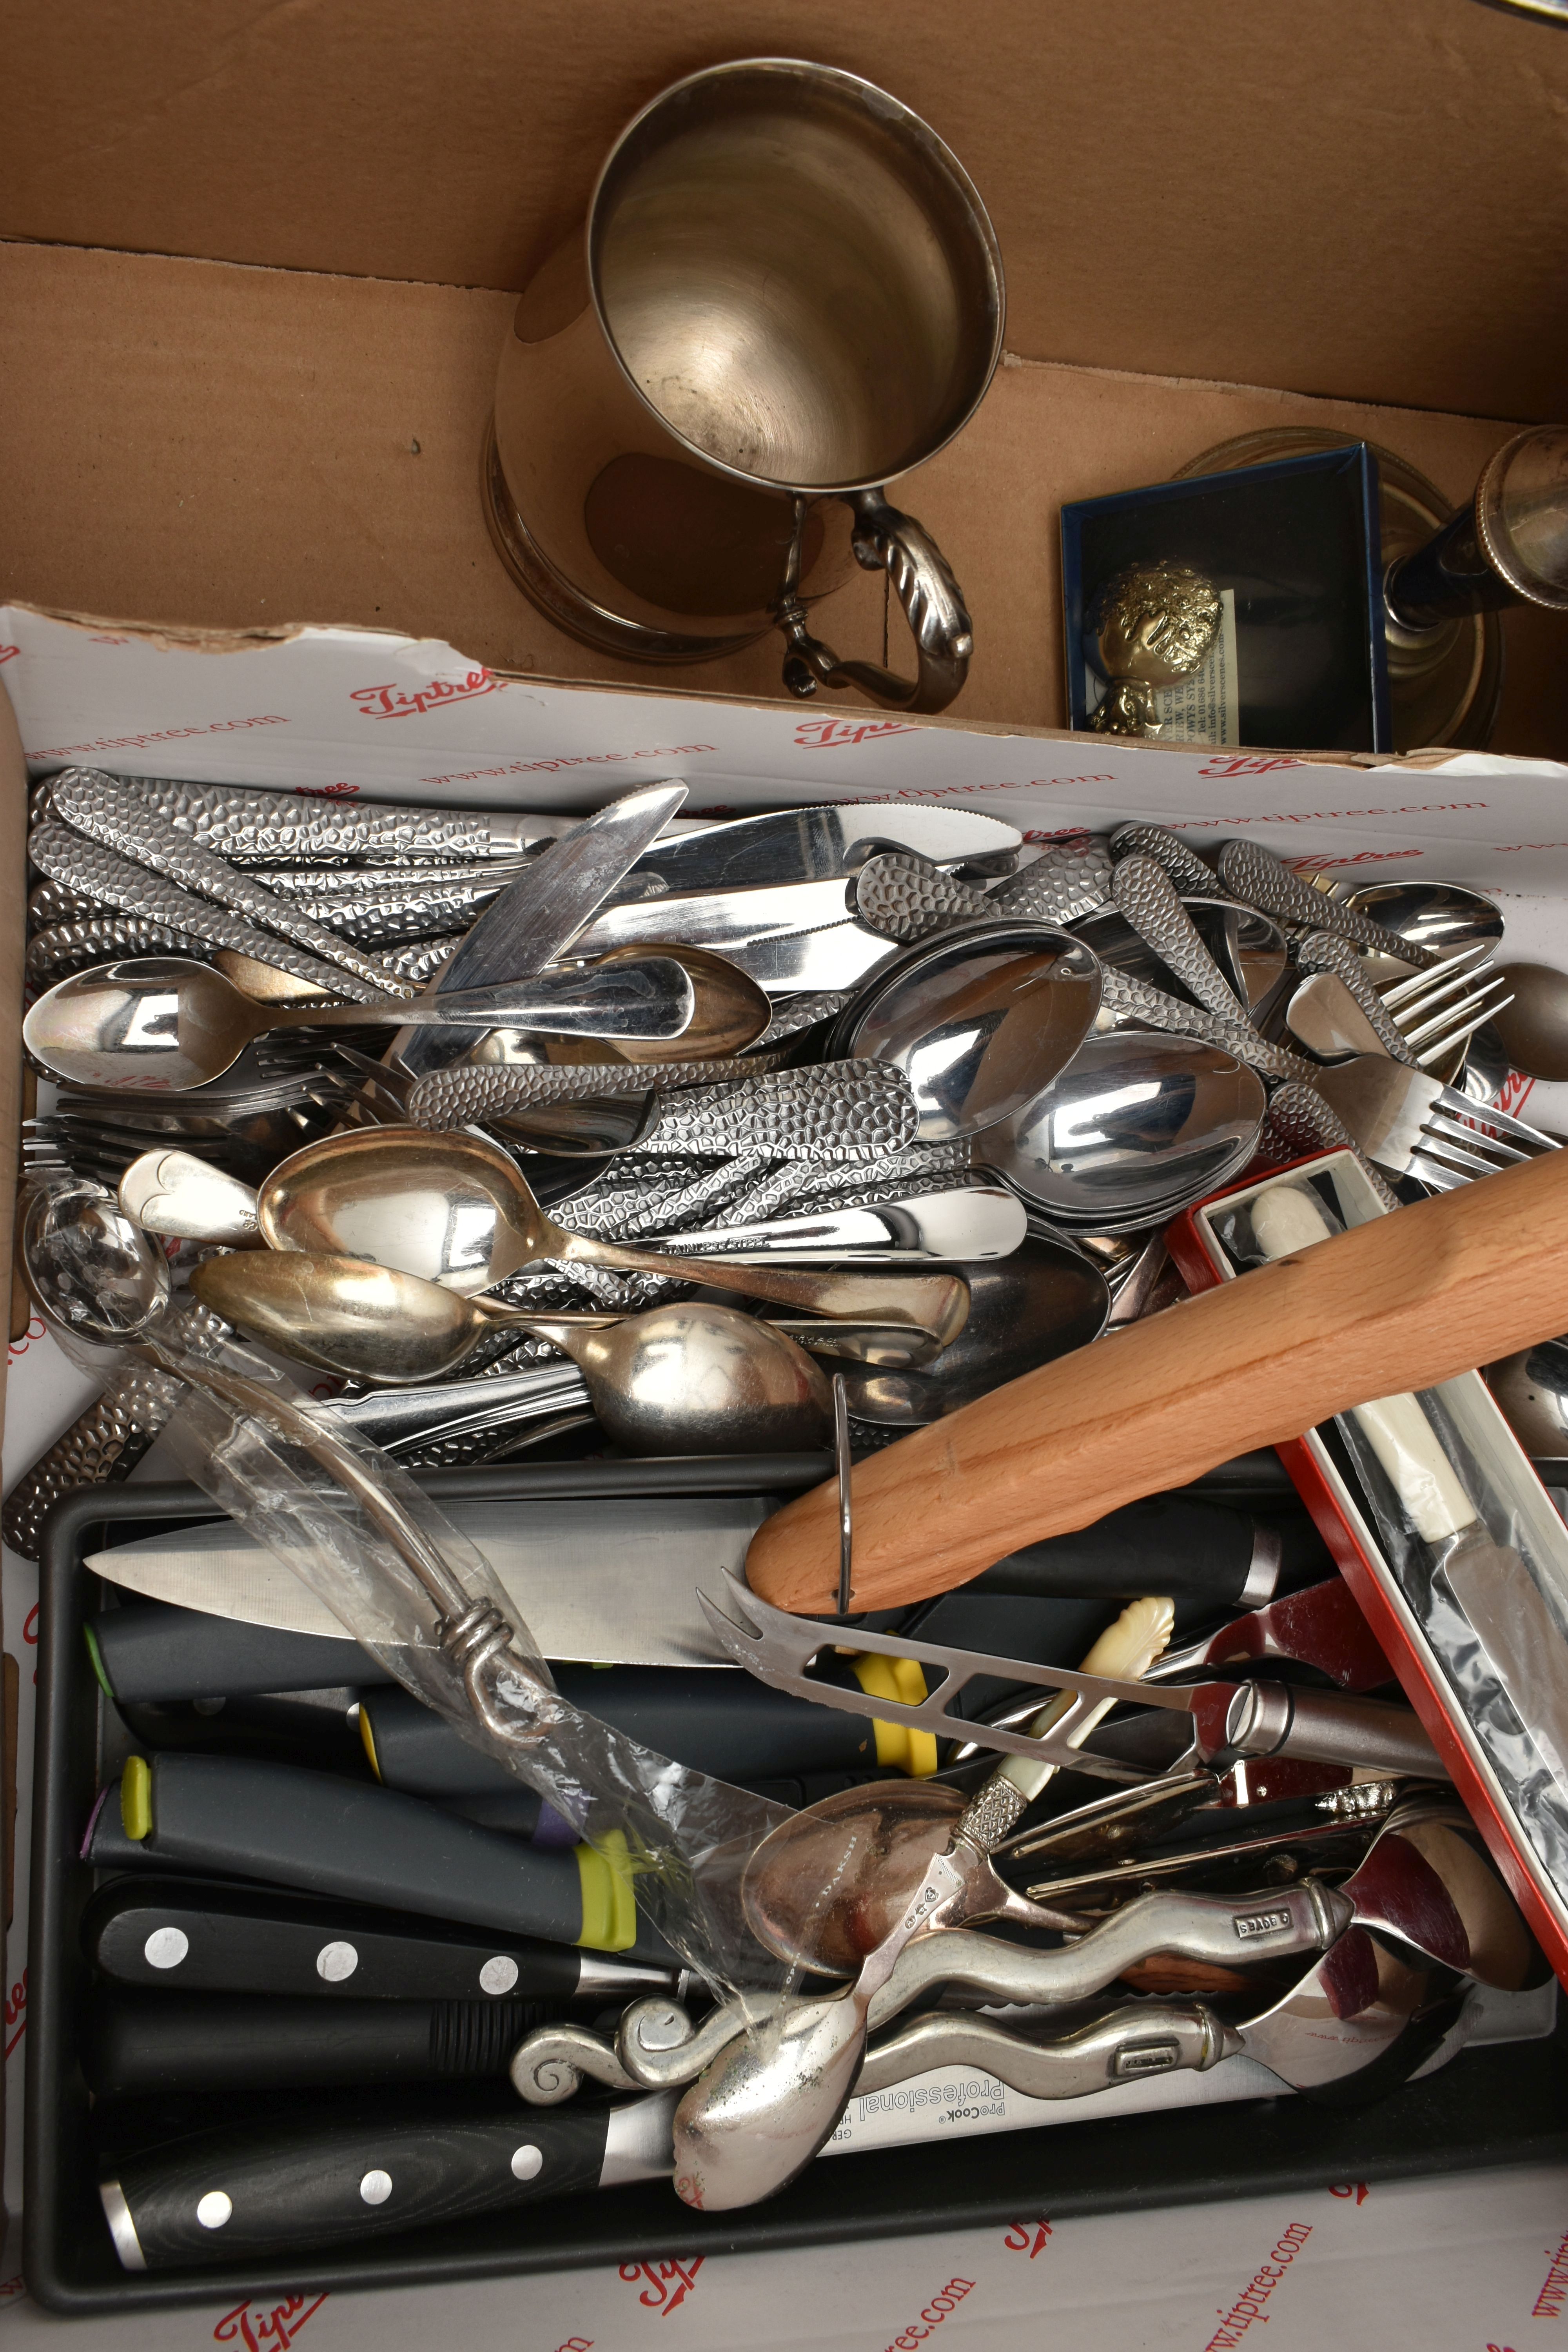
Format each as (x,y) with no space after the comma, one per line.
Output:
(1404,1302)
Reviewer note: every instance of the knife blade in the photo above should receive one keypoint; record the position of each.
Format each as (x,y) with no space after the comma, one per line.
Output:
(241,1817)
(564,1564)
(540,914)
(811,844)
(94,805)
(724,920)
(836,958)
(201,1937)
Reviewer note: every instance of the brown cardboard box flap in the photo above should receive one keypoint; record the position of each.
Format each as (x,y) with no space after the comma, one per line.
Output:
(1343,198)
(212,447)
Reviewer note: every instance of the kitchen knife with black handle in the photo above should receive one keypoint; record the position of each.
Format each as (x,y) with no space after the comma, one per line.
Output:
(240,1817)
(220,2196)
(1192,1551)
(1204,1555)
(143,2044)
(719,1723)
(153,1652)
(712,1720)
(197,1937)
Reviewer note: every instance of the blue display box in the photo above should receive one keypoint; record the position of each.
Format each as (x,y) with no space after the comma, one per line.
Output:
(1294,549)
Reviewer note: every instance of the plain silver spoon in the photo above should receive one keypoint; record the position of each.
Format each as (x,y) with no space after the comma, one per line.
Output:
(1443,917)
(454,1208)
(676,1379)
(162,1025)
(978,1021)
(1135,1121)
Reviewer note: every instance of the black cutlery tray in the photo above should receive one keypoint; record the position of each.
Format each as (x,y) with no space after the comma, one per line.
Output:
(1505,2104)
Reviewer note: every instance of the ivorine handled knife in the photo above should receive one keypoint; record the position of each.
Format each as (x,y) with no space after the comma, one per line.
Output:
(195,1936)
(539,916)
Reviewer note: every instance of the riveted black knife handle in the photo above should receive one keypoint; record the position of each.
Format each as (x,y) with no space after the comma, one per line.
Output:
(220,2196)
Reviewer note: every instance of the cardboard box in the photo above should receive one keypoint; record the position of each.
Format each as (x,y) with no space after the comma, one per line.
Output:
(255,271)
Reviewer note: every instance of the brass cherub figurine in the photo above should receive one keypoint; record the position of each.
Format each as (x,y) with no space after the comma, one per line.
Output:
(1155,624)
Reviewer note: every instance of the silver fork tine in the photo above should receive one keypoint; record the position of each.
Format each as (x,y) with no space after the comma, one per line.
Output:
(1448,1023)
(1458,1154)
(1461,966)
(1409,1015)
(1490,1147)
(1446,1045)
(1442,1180)
(1488,1115)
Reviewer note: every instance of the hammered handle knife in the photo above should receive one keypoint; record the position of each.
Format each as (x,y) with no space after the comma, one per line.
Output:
(1258,878)
(1149,900)
(111,814)
(102,1446)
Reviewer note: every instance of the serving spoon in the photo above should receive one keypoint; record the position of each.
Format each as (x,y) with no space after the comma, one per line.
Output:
(162,1025)
(678,1380)
(1136,1120)
(455,1210)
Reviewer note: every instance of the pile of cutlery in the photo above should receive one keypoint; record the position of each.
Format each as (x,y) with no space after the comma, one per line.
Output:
(630,1136)
(842,1012)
